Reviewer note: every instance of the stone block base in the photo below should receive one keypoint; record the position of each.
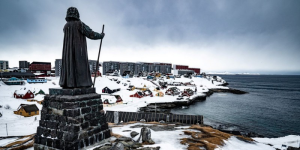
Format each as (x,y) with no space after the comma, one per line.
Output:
(71,119)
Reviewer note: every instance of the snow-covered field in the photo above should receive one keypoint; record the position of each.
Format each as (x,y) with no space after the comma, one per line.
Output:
(18,125)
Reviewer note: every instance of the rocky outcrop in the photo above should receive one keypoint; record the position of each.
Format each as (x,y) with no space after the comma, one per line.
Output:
(234,91)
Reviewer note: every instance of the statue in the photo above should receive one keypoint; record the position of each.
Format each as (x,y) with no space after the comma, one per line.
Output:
(75,72)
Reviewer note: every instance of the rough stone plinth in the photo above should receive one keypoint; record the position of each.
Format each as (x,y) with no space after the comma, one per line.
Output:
(71,119)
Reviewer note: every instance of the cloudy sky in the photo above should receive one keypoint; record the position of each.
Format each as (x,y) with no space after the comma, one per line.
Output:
(236,36)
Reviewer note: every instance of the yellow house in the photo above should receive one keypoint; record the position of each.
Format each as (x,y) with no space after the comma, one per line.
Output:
(27,110)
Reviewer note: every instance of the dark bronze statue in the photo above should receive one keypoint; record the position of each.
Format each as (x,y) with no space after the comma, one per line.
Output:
(75,72)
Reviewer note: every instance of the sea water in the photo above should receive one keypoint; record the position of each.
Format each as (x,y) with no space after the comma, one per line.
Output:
(271,108)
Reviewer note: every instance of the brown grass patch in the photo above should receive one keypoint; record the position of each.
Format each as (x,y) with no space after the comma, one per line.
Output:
(115,135)
(20,142)
(207,137)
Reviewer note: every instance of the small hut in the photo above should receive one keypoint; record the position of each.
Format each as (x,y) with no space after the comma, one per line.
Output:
(27,110)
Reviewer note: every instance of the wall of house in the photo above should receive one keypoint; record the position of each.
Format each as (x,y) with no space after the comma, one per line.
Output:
(22,112)
(28,95)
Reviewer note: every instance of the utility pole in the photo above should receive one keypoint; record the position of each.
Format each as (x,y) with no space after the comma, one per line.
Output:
(6,130)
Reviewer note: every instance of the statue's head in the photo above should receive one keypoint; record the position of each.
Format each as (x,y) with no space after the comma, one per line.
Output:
(72,14)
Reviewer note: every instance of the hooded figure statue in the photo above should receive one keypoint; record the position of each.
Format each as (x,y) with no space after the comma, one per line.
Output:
(75,70)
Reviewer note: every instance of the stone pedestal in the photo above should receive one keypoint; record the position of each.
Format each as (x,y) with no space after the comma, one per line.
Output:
(71,119)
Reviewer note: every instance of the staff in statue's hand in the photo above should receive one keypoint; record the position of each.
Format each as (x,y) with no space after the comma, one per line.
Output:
(97,65)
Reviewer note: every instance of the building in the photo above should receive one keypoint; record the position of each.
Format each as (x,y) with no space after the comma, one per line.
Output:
(27,110)
(183,69)
(141,67)
(4,64)
(179,67)
(182,72)
(196,70)
(58,67)
(24,94)
(93,65)
(127,67)
(165,68)
(13,81)
(23,75)
(41,67)
(23,64)
(110,66)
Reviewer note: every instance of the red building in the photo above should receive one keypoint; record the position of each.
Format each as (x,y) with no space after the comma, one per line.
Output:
(23,94)
(178,67)
(196,70)
(138,94)
(40,67)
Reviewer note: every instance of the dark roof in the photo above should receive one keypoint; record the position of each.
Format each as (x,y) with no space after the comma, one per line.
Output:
(30,108)
(47,63)
(17,74)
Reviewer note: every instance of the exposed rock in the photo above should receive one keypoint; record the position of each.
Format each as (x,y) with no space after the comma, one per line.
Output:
(104,147)
(156,127)
(134,134)
(150,148)
(126,131)
(234,91)
(292,148)
(123,138)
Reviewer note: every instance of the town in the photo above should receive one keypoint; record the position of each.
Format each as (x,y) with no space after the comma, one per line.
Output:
(44,69)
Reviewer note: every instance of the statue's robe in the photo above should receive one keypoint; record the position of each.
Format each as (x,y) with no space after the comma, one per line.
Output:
(75,70)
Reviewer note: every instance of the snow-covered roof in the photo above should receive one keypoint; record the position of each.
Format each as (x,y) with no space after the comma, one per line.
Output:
(38,74)
(39,97)
(22,91)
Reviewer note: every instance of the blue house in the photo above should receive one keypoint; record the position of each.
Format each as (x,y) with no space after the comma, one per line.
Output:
(14,81)
(37,80)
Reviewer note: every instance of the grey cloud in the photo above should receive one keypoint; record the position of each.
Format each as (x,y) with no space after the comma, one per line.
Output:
(251,27)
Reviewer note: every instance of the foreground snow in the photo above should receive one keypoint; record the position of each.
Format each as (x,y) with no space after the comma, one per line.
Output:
(165,139)
(290,140)
(235,144)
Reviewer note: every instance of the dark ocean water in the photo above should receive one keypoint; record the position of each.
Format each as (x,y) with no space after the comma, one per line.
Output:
(271,108)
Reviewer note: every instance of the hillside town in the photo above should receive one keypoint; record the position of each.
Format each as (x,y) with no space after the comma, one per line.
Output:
(138,93)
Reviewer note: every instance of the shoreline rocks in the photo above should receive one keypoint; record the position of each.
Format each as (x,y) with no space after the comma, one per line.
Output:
(167,106)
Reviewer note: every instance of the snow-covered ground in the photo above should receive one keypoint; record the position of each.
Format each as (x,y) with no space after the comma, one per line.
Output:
(165,139)
(18,125)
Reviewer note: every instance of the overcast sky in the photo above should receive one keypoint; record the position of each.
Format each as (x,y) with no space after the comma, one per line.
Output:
(215,35)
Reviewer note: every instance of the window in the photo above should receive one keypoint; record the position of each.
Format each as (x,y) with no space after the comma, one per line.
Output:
(29,113)
(20,113)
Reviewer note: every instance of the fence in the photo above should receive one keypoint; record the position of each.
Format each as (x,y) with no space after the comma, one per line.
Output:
(118,116)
